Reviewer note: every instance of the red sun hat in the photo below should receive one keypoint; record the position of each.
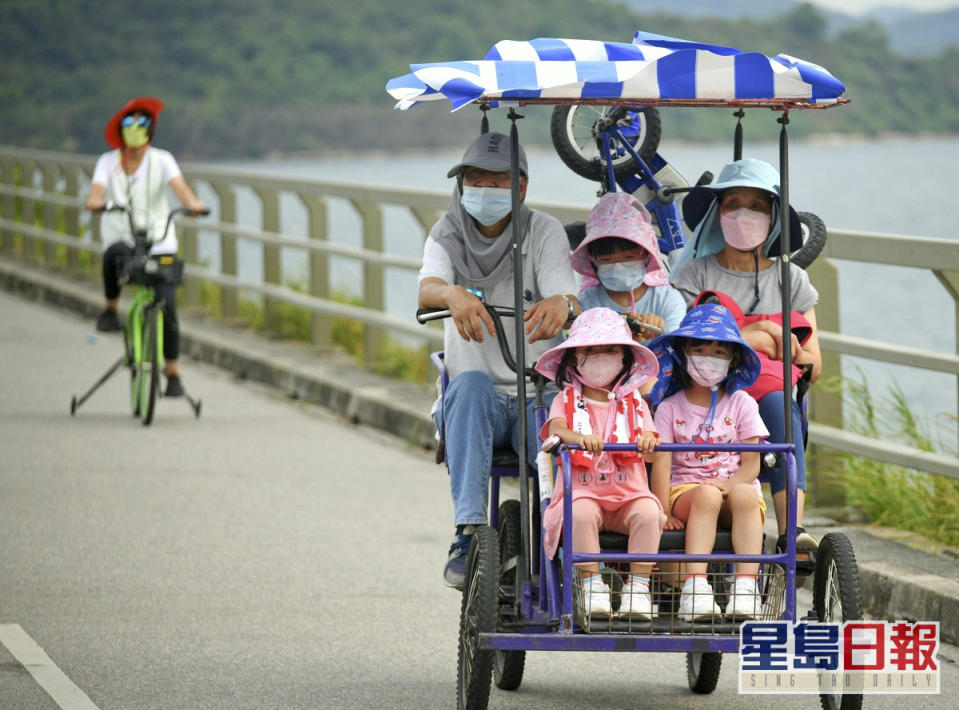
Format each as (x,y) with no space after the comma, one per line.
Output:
(145,104)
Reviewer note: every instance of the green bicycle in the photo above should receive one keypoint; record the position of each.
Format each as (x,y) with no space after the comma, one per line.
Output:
(143,326)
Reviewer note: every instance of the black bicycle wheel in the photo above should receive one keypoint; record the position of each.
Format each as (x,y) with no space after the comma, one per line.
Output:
(837,597)
(814,239)
(573,132)
(702,671)
(477,615)
(134,360)
(508,665)
(150,368)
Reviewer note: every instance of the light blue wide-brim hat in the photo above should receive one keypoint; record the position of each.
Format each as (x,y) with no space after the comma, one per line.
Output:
(748,172)
(707,322)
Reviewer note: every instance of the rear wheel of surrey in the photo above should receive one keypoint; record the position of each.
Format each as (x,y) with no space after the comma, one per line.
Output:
(702,671)
(508,665)
(572,129)
(150,367)
(477,615)
(837,598)
(813,240)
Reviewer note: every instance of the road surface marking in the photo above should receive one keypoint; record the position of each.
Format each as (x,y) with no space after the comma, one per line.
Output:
(64,693)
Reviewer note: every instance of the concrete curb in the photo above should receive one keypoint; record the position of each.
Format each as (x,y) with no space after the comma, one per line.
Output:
(302,372)
(898,582)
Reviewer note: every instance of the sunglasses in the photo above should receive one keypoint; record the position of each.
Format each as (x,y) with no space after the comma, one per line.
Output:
(142,121)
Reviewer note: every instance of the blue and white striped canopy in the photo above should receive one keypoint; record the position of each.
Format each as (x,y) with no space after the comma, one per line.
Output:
(654,69)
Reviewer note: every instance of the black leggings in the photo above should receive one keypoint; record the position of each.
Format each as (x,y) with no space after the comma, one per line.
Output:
(115,254)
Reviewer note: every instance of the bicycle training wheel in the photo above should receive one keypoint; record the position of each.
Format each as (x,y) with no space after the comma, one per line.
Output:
(508,665)
(837,598)
(149,368)
(477,615)
(573,132)
(813,240)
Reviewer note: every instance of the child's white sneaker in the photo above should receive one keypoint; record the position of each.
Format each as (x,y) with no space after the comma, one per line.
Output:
(697,601)
(745,601)
(596,596)
(636,601)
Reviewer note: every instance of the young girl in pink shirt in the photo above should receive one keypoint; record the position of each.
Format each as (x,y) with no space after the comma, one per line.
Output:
(705,367)
(600,368)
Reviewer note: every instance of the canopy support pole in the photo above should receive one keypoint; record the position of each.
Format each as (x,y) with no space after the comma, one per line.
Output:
(524,572)
(785,278)
(738,135)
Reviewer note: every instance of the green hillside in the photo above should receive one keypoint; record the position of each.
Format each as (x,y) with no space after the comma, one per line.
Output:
(245,78)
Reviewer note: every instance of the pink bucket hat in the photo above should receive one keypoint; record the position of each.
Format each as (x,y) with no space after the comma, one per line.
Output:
(602,326)
(619,214)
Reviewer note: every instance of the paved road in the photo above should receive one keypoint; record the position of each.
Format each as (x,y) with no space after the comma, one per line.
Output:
(263,556)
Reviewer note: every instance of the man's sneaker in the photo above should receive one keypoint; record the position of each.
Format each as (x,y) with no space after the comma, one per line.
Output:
(806,548)
(454,574)
(109,321)
(697,601)
(174,388)
(636,601)
(745,601)
(596,596)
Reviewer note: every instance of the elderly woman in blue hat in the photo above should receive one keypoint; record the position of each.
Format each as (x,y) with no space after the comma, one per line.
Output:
(735,243)
(704,368)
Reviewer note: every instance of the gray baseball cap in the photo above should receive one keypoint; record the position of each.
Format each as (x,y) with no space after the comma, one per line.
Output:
(490,151)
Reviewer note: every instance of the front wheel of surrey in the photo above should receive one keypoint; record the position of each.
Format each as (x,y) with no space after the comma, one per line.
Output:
(508,665)
(150,368)
(572,129)
(477,615)
(813,240)
(837,598)
(702,671)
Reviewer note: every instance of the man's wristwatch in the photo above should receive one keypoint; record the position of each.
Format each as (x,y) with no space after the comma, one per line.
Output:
(572,312)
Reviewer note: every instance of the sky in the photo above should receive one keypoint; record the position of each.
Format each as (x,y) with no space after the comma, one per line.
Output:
(856,7)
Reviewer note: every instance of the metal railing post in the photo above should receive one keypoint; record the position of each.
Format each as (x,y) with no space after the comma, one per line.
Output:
(49,173)
(71,216)
(28,209)
(321,326)
(189,251)
(825,407)
(7,205)
(950,281)
(373,289)
(270,201)
(229,298)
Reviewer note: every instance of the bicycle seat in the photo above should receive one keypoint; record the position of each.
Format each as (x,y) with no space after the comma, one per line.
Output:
(575,233)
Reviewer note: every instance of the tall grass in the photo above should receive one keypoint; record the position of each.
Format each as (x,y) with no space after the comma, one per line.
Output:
(896,496)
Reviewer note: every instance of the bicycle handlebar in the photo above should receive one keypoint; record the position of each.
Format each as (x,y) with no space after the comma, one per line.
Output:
(142,234)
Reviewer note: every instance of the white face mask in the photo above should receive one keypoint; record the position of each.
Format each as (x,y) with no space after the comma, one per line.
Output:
(487,205)
(707,371)
(744,229)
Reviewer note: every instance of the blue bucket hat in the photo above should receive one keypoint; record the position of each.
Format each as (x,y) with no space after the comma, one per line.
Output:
(698,205)
(707,322)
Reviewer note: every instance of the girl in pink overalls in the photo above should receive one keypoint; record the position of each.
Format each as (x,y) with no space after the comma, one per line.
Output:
(600,368)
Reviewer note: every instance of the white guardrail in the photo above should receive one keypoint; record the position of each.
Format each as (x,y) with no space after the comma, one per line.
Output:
(51,186)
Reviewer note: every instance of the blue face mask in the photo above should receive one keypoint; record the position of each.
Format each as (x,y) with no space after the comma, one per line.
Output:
(622,276)
(487,205)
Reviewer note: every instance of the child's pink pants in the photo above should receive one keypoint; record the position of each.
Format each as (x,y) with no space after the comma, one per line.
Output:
(641,519)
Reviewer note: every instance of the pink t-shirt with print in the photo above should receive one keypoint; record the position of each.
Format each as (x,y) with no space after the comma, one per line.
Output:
(678,421)
(623,484)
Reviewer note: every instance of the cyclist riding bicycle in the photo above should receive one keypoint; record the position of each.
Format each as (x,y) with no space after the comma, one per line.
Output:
(135,174)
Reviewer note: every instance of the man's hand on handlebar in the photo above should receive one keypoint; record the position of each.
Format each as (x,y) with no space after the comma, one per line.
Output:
(546,318)
(469,314)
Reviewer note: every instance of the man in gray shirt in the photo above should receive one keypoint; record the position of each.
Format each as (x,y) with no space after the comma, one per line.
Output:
(469,251)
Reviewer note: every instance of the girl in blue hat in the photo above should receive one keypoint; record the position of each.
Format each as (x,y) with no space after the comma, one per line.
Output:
(705,367)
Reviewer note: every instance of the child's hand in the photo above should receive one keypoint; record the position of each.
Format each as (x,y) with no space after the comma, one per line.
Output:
(644,334)
(591,443)
(723,486)
(673,523)
(647,442)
